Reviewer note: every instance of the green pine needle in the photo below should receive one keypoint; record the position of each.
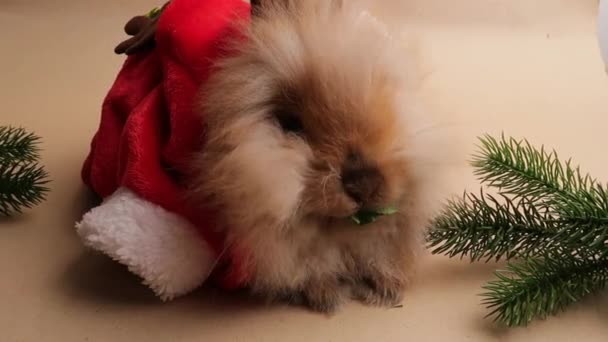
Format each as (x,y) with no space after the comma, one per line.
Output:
(537,288)
(487,227)
(516,168)
(17,145)
(575,200)
(22,179)
(547,214)
(22,185)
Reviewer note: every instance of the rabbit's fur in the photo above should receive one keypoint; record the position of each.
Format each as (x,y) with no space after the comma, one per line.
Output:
(306,124)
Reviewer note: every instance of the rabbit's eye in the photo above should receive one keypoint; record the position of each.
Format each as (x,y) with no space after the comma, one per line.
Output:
(289,123)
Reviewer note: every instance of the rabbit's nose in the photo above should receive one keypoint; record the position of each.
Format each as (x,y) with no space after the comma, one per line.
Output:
(360,180)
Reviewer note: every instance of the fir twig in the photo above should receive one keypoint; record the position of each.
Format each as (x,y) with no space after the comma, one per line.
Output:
(548,214)
(579,202)
(486,227)
(537,288)
(17,145)
(516,168)
(22,185)
(22,179)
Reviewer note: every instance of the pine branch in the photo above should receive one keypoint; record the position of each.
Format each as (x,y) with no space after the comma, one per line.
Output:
(537,288)
(547,213)
(483,227)
(515,167)
(17,145)
(22,185)
(518,169)
(22,179)
(586,221)
(486,227)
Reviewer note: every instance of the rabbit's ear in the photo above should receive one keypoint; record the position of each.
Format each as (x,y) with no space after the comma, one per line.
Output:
(255,6)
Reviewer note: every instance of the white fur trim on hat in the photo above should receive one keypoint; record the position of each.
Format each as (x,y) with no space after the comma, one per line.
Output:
(162,248)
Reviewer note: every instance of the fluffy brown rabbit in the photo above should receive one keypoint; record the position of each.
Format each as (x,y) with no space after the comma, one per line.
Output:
(307,124)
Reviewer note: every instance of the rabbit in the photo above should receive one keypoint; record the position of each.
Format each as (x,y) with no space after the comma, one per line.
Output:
(307,123)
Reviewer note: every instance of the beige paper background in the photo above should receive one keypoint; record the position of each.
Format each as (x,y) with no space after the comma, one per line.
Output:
(530,68)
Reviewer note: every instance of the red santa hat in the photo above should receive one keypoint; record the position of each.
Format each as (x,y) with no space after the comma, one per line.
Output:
(148,128)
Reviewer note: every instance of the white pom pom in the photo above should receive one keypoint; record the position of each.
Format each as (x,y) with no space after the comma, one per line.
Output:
(162,248)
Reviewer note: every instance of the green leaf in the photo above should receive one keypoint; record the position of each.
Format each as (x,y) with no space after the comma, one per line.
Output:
(364,217)
(387,211)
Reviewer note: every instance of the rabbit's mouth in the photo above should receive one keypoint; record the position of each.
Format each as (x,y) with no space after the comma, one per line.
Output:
(363,215)
(366,216)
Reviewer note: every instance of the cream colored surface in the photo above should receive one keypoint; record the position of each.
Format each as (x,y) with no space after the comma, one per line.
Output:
(528,68)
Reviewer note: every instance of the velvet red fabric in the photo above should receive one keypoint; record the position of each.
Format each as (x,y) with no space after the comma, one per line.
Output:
(149,125)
